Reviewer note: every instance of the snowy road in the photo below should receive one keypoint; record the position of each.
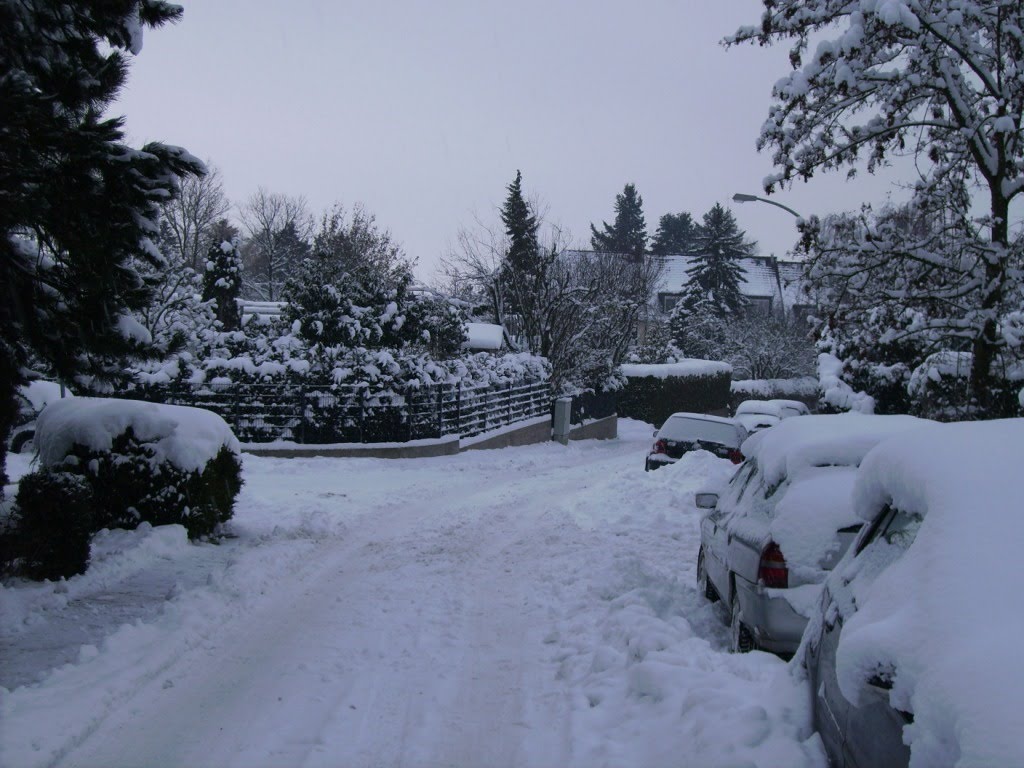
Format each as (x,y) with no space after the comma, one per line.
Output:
(523,607)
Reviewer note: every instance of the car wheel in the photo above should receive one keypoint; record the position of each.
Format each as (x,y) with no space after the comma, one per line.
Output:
(704,585)
(741,639)
(22,440)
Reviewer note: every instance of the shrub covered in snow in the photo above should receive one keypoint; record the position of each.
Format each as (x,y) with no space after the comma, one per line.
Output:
(655,392)
(145,462)
(55,516)
(940,387)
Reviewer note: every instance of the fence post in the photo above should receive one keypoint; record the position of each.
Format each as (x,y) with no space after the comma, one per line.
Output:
(562,426)
(301,391)
(458,407)
(509,418)
(362,415)
(440,409)
(408,410)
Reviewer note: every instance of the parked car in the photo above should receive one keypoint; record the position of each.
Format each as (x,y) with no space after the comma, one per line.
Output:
(32,398)
(755,422)
(783,522)
(684,432)
(791,408)
(918,624)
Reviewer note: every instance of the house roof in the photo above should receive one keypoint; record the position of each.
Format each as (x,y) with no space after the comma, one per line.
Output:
(764,276)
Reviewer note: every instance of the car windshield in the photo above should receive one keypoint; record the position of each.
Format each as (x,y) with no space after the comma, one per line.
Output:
(686,428)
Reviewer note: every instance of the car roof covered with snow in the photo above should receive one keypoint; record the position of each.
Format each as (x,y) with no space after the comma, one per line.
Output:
(944,615)
(841,439)
(765,407)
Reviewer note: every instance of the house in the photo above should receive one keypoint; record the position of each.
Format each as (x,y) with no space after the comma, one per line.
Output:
(769,284)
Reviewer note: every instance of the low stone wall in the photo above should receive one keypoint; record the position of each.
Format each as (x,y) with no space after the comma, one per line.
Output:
(536,431)
(602,429)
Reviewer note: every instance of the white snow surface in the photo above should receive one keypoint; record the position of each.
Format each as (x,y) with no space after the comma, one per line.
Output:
(484,336)
(186,437)
(686,367)
(945,615)
(530,606)
(796,445)
(41,392)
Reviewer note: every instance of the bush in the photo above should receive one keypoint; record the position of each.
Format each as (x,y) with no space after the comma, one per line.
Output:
(53,522)
(131,486)
(654,398)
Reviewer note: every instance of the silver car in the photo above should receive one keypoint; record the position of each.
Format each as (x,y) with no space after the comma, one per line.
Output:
(783,522)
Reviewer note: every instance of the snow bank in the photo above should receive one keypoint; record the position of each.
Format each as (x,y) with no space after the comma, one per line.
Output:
(186,437)
(945,615)
(794,445)
(688,367)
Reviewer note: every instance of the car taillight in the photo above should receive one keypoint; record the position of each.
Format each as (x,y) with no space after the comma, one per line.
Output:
(736,457)
(661,447)
(773,571)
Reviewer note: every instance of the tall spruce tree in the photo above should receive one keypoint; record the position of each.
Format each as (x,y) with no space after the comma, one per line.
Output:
(521,228)
(628,235)
(523,272)
(716,273)
(222,282)
(76,204)
(677,234)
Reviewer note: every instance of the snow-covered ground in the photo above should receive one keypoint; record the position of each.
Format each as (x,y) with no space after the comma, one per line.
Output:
(528,606)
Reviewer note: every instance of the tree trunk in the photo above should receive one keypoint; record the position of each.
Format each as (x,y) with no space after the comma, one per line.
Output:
(985,344)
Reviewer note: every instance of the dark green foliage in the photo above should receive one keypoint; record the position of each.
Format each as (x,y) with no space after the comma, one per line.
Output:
(716,273)
(653,400)
(677,234)
(628,235)
(222,282)
(521,226)
(130,487)
(76,204)
(54,520)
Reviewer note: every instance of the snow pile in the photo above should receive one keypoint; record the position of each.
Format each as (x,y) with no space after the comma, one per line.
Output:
(835,392)
(186,437)
(795,445)
(687,367)
(945,614)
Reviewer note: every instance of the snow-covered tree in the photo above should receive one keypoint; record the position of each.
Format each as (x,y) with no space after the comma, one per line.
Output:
(628,234)
(78,204)
(222,282)
(940,81)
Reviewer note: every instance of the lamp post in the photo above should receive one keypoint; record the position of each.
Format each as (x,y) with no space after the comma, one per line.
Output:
(739,197)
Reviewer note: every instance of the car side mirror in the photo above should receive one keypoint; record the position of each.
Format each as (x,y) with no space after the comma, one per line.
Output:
(706,500)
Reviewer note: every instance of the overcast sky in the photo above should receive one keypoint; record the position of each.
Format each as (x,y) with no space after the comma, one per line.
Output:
(423,111)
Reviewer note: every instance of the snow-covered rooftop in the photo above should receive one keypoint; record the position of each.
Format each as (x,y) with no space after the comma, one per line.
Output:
(763,277)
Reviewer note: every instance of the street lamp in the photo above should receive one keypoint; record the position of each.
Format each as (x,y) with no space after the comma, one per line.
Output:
(739,197)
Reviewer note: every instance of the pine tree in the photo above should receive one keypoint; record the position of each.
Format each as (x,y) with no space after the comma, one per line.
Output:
(78,205)
(521,227)
(628,235)
(222,282)
(716,273)
(677,234)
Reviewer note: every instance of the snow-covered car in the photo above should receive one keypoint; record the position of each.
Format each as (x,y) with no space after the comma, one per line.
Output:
(783,522)
(32,398)
(919,621)
(755,422)
(684,432)
(790,408)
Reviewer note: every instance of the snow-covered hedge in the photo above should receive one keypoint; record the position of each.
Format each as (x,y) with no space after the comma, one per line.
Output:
(140,462)
(654,392)
(804,389)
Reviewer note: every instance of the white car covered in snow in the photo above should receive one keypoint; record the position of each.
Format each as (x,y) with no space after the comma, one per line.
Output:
(914,653)
(756,415)
(783,522)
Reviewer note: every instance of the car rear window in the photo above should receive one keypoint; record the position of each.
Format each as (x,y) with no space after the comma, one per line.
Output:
(684,428)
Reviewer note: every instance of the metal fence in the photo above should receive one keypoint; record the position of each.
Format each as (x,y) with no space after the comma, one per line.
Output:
(331,413)
(590,406)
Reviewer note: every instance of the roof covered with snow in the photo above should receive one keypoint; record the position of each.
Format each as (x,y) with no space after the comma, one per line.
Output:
(843,439)
(686,367)
(764,277)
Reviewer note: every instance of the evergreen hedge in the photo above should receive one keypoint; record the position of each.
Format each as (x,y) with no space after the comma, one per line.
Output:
(54,519)
(653,399)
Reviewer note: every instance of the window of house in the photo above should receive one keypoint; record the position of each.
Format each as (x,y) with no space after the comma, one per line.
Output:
(668,301)
(760,305)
